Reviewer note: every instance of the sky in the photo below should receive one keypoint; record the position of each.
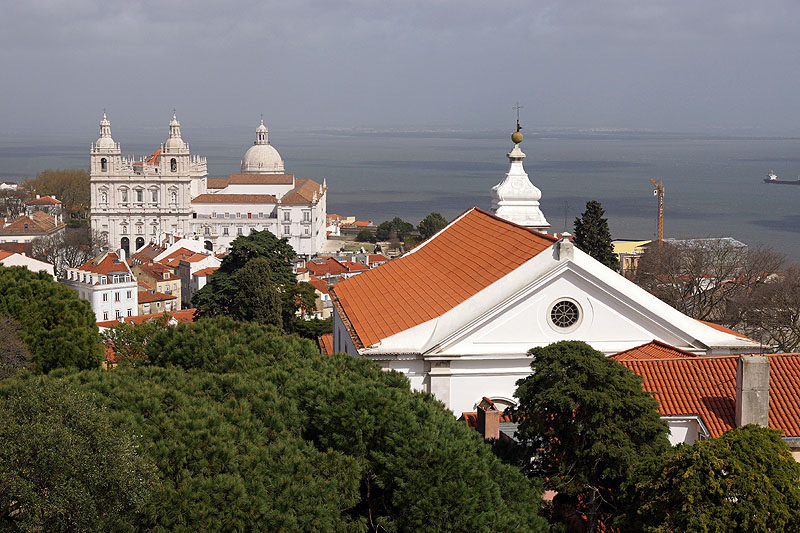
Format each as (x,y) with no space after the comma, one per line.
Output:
(688,66)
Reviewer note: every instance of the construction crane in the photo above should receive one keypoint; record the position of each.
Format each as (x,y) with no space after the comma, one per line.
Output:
(659,191)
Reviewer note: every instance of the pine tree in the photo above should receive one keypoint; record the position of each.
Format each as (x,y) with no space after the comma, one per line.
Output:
(593,236)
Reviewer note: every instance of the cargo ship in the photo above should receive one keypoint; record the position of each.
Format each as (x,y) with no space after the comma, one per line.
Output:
(773,178)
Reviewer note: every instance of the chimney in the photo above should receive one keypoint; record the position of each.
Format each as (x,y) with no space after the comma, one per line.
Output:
(121,254)
(564,249)
(752,390)
(488,419)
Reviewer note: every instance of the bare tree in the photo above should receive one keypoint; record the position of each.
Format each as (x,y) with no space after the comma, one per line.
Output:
(706,278)
(771,313)
(68,249)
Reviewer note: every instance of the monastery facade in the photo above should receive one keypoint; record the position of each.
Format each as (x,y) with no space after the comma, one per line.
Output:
(134,202)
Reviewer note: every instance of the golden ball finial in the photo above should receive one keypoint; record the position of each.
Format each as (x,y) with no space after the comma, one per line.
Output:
(516,137)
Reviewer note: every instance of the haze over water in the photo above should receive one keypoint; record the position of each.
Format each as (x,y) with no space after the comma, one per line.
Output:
(713,184)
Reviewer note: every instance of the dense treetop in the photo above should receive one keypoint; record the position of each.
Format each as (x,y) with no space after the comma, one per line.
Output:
(583,421)
(744,481)
(57,326)
(593,236)
(70,186)
(252,429)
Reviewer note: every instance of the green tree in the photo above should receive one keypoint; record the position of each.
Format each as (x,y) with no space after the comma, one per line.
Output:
(312,329)
(744,481)
(218,297)
(431,224)
(365,235)
(583,421)
(15,355)
(63,465)
(129,341)
(70,186)
(397,228)
(593,236)
(256,298)
(57,326)
(254,430)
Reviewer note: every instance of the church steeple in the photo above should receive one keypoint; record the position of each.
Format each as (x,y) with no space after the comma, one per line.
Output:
(515,198)
(262,134)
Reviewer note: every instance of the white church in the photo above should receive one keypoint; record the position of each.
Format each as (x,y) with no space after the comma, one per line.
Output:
(136,201)
(458,314)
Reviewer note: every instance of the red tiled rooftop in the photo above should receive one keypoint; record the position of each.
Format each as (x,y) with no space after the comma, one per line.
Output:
(652,350)
(319,284)
(44,200)
(473,252)
(205,272)
(326,266)
(105,265)
(147,297)
(326,343)
(4,254)
(706,386)
(303,193)
(234,199)
(250,179)
(184,315)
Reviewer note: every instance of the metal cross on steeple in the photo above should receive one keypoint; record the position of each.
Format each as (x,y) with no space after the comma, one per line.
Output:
(517,108)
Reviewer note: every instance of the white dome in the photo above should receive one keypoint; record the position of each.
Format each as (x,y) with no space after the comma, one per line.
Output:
(105,142)
(174,142)
(262,159)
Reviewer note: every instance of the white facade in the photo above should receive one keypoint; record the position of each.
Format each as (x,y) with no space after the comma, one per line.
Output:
(134,201)
(34,265)
(107,283)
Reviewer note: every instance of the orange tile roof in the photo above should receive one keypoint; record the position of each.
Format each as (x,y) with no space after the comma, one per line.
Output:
(362,223)
(220,198)
(725,330)
(5,255)
(326,343)
(44,200)
(184,315)
(317,283)
(471,253)
(377,258)
(205,272)
(147,297)
(706,386)
(326,266)
(156,271)
(38,222)
(180,253)
(303,193)
(652,350)
(107,264)
(216,183)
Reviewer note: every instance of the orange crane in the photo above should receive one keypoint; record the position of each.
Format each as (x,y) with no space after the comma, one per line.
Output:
(659,191)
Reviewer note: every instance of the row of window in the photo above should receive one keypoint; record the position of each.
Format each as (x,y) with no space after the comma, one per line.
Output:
(117,296)
(83,277)
(173,165)
(139,194)
(287,230)
(118,313)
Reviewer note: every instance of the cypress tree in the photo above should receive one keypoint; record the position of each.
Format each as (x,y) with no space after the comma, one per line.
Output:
(593,236)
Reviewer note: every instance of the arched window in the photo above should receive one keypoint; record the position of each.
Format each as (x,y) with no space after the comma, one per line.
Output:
(104,164)
(139,229)
(139,242)
(208,245)
(123,193)
(173,165)
(173,197)
(154,195)
(124,243)
(104,197)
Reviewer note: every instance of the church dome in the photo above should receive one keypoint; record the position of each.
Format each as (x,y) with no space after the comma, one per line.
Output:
(262,158)
(174,142)
(105,142)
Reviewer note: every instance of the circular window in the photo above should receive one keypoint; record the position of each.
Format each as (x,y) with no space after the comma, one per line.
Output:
(565,314)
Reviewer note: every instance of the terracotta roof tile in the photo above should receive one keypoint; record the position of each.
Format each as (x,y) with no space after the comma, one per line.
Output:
(303,193)
(5,255)
(205,271)
(473,252)
(147,297)
(44,200)
(38,222)
(326,343)
(706,386)
(184,315)
(652,350)
(220,198)
(105,264)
